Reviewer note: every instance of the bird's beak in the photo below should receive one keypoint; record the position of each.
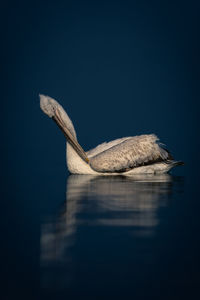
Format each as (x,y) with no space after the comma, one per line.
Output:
(58,119)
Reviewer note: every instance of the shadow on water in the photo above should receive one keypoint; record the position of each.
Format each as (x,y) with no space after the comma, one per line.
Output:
(104,237)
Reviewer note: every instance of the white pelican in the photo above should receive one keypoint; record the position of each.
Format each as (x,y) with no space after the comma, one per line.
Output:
(125,156)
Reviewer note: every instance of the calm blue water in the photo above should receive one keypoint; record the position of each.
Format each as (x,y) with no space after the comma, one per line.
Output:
(102,238)
(119,238)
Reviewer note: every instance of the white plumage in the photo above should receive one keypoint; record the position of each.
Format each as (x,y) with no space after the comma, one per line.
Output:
(125,156)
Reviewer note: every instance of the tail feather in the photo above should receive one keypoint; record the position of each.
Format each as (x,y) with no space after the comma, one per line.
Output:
(175,163)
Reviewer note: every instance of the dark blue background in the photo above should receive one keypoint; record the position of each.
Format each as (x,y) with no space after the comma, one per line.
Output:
(120,68)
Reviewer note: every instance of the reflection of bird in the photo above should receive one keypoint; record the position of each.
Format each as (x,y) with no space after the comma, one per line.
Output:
(132,200)
(127,156)
(99,201)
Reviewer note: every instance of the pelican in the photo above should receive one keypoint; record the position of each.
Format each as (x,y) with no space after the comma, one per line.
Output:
(141,154)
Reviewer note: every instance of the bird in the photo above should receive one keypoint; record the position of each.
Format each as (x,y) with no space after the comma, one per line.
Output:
(141,154)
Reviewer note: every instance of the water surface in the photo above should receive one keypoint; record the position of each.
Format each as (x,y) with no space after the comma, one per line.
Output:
(118,238)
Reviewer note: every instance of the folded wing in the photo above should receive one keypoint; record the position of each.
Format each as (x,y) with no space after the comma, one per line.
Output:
(130,153)
(105,146)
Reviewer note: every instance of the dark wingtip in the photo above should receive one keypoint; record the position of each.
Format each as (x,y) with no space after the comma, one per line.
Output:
(178,163)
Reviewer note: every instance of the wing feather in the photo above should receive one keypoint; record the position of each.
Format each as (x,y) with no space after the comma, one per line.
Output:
(130,153)
(105,146)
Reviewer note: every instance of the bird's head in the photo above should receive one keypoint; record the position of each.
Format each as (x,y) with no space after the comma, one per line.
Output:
(55,111)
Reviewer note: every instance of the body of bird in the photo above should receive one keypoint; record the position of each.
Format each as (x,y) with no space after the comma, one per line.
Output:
(125,156)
